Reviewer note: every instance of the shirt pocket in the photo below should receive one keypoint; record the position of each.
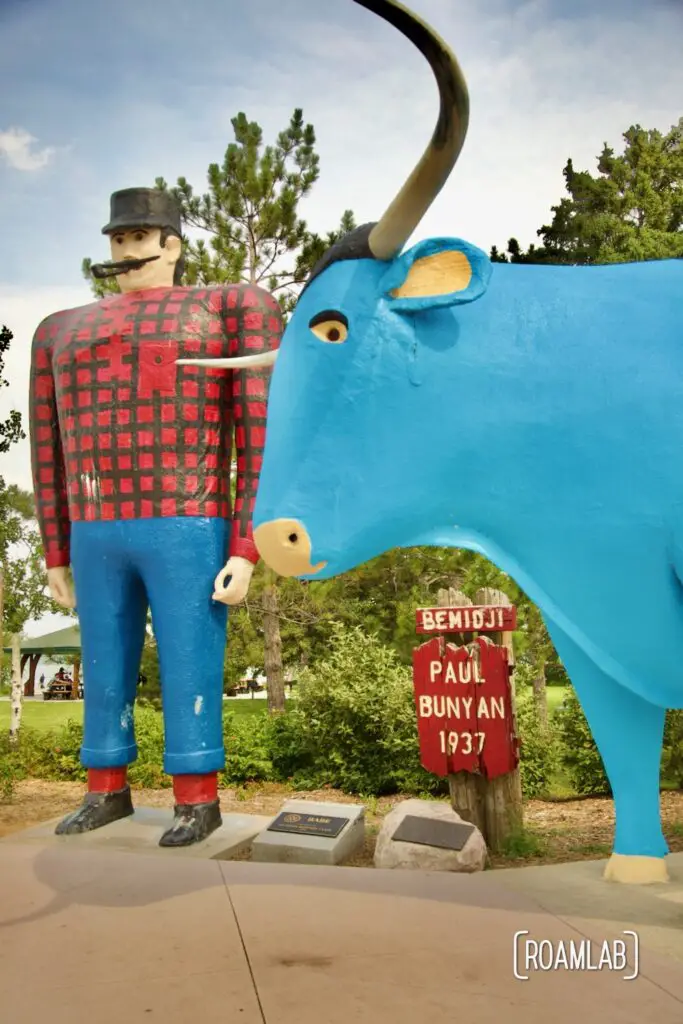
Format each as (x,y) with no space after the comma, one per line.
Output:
(157,369)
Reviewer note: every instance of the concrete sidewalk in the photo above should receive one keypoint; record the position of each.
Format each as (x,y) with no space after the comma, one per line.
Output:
(118,938)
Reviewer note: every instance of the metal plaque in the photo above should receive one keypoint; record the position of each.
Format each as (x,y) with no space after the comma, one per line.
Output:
(446,835)
(308,824)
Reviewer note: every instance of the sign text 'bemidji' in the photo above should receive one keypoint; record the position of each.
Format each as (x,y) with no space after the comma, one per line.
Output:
(464,708)
(467,619)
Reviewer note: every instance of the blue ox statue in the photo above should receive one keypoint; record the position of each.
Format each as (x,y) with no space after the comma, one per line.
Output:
(533,414)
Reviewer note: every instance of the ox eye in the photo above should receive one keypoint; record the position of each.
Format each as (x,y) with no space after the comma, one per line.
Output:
(331,326)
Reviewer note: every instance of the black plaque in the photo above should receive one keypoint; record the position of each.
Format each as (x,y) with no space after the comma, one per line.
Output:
(308,824)
(446,835)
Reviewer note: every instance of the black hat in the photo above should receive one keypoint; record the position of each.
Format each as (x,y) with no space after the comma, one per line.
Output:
(143,208)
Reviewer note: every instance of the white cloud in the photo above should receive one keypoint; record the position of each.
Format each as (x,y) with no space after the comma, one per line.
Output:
(16,146)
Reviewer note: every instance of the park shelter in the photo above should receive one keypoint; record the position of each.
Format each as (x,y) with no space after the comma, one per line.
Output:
(61,641)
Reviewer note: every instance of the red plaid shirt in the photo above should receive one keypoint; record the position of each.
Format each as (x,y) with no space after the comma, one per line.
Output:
(119,431)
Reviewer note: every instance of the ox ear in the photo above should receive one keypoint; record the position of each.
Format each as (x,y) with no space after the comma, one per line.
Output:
(436,273)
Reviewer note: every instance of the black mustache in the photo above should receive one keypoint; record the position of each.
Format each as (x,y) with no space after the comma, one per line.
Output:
(113,269)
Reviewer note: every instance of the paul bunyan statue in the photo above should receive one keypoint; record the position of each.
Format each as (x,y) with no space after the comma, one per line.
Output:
(131,457)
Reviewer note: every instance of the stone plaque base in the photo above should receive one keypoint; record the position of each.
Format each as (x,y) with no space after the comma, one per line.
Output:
(300,848)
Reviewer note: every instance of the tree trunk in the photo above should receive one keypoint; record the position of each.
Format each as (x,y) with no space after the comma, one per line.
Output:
(272,646)
(30,686)
(16,698)
(76,678)
(541,697)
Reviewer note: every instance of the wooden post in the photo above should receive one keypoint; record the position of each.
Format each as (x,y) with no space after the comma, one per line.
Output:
(504,809)
(466,790)
(30,684)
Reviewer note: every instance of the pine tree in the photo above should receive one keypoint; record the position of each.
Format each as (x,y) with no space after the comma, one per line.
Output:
(631,210)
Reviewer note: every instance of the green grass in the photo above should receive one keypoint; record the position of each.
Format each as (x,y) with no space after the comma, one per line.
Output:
(523,844)
(48,715)
(246,707)
(555,695)
(45,715)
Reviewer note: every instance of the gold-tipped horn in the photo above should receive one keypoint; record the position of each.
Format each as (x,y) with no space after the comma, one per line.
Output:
(406,211)
(260,359)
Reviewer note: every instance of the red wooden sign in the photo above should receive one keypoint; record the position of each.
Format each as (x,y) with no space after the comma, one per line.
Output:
(467,619)
(464,708)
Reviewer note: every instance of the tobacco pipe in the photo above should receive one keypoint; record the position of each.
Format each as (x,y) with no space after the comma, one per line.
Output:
(113,268)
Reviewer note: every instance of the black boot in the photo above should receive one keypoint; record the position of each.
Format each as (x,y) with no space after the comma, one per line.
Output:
(97,809)
(192,823)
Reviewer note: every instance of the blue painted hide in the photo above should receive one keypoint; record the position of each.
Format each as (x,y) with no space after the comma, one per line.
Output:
(535,417)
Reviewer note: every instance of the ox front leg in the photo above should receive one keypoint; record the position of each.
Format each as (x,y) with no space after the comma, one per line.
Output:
(628,732)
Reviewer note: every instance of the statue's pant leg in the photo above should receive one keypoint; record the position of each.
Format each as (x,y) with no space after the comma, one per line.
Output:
(179,566)
(112,611)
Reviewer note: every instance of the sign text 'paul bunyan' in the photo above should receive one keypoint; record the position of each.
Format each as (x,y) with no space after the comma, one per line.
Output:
(464,708)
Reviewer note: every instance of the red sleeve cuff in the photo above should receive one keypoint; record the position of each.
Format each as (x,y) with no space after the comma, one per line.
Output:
(242,548)
(55,560)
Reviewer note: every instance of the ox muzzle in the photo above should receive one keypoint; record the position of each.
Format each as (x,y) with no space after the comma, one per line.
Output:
(285,547)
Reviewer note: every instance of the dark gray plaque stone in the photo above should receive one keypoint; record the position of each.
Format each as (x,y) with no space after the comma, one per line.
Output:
(446,835)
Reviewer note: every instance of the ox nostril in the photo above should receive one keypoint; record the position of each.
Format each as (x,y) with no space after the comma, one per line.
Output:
(293,538)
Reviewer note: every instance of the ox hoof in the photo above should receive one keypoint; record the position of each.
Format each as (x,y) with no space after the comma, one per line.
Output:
(636,870)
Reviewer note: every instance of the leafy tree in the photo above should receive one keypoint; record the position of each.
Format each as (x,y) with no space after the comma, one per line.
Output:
(11,499)
(631,210)
(10,428)
(24,595)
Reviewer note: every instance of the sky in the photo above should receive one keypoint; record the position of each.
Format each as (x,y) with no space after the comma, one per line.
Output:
(97,97)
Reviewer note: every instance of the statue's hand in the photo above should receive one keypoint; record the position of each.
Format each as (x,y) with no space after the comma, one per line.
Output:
(234,589)
(61,590)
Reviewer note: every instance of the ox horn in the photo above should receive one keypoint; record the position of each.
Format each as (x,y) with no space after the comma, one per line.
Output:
(390,234)
(262,359)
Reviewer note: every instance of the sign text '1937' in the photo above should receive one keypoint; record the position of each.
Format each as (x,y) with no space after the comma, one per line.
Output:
(468,740)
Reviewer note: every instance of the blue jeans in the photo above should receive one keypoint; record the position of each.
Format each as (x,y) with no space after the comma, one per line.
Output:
(121,569)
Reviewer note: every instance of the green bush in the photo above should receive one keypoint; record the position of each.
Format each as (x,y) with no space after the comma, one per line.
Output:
(247,749)
(672,757)
(148,770)
(578,751)
(9,773)
(353,726)
(539,748)
(55,755)
(50,755)
(581,758)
